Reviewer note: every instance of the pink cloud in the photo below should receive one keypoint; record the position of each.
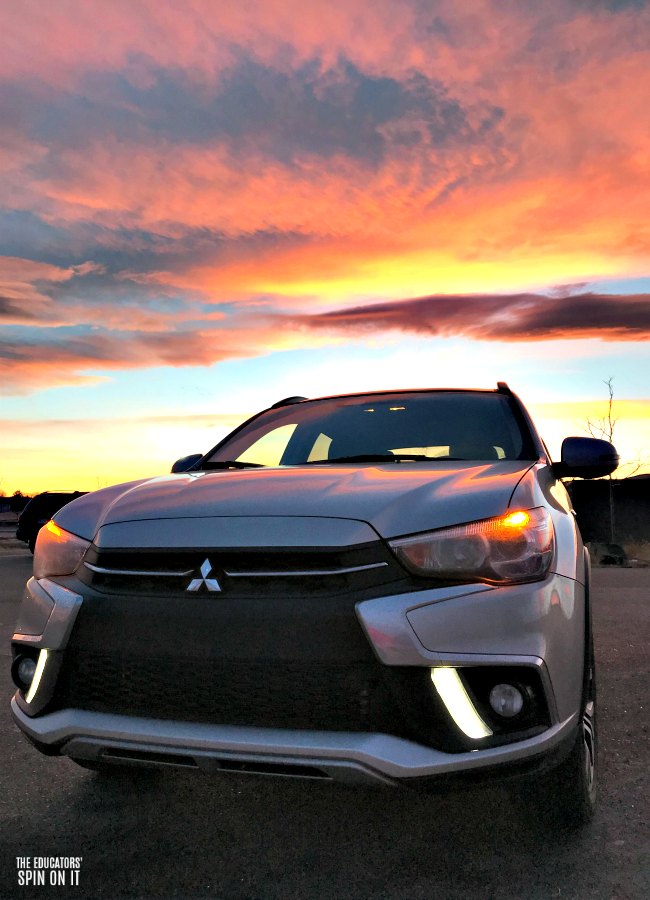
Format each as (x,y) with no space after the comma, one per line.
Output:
(71,358)
(23,296)
(494,144)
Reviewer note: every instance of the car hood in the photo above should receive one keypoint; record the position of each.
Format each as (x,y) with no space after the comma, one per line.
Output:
(394,499)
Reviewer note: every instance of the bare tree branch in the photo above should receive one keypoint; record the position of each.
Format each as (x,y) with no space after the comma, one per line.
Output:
(604,427)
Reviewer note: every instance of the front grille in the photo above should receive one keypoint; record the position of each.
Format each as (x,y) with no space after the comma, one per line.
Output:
(274,650)
(291,571)
(346,697)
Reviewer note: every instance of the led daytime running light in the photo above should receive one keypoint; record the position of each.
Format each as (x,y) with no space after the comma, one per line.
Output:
(38,674)
(459,706)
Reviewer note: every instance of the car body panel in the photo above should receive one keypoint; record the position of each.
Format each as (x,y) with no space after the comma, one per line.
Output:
(236,531)
(542,621)
(82,516)
(395,499)
(539,487)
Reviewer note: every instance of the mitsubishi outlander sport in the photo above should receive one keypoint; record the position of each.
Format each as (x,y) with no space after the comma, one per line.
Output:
(383,587)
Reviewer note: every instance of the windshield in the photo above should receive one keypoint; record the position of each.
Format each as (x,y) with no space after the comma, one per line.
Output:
(392,427)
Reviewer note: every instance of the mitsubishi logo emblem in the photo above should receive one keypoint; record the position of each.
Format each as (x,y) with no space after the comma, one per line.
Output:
(211,583)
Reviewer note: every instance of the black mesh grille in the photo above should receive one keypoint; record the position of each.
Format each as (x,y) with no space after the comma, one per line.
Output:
(279,652)
(352,696)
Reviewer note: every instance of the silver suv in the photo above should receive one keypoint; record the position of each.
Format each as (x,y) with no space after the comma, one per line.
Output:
(383,587)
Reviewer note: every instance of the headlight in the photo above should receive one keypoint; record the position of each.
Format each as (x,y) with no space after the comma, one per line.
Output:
(57,551)
(507,549)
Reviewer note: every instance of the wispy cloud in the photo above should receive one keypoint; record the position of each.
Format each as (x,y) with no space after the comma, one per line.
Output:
(519,317)
(35,357)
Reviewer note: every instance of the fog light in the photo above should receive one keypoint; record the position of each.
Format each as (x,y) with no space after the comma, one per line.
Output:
(23,671)
(506,700)
(26,669)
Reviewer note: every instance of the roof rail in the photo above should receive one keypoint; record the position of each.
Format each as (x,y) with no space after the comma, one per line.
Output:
(288,401)
(503,388)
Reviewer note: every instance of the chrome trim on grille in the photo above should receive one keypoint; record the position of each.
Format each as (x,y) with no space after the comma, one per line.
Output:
(255,574)
(101,571)
(262,574)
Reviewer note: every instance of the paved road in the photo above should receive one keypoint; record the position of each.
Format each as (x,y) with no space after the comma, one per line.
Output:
(184,835)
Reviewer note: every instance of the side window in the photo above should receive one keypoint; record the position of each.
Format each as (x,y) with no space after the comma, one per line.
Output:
(269,449)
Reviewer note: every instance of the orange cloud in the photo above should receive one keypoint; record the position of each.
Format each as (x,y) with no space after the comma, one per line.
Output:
(22,301)
(60,40)
(305,158)
(395,235)
(77,356)
(70,358)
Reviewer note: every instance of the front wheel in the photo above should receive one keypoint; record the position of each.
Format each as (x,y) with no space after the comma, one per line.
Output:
(572,787)
(567,794)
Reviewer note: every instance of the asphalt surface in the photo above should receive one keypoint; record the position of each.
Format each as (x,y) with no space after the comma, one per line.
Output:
(178,834)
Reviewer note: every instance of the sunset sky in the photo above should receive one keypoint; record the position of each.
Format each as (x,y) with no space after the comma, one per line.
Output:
(205,207)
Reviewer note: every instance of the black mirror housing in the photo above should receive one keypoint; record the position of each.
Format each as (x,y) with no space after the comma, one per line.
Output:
(584,457)
(186,463)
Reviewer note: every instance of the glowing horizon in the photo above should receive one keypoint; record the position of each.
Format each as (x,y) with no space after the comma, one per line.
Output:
(90,461)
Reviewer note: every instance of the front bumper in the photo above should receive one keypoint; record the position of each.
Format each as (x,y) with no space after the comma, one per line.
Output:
(340,756)
(539,626)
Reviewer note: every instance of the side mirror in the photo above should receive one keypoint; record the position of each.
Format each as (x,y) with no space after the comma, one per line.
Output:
(584,457)
(186,463)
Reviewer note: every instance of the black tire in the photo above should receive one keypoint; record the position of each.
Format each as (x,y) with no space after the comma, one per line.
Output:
(565,797)
(568,794)
(572,788)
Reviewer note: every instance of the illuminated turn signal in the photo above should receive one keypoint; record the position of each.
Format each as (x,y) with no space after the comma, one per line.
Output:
(54,529)
(57,551)
(516,520)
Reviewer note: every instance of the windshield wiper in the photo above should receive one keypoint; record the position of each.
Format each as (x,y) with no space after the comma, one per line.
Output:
(369,457)
(336,460)
(230,464)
